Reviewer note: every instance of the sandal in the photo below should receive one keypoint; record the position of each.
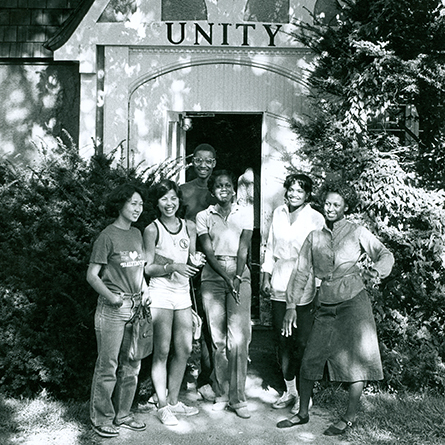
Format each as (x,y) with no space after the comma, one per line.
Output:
(334,431)
(289,422)
(132,424)
(106,431)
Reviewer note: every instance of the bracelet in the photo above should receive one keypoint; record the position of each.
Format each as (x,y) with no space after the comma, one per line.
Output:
(239,278)
(165,267)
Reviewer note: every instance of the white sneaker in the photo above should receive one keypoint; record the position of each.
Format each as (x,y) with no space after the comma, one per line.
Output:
(166,416)
(284,401)
(182,409)
(220,403)
(296,408)
(153,399)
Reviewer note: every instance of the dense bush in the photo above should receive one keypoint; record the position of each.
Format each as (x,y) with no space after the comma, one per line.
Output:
(410,220)
(411,305)
(374,59)
(51,214)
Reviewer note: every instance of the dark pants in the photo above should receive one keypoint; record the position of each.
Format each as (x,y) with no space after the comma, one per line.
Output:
(291,349)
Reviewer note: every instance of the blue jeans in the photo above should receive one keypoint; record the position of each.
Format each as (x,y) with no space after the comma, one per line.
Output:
(115,375)
(230,329)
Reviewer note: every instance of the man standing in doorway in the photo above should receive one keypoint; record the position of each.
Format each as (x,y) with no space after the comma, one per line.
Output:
(195,194)
(196,197)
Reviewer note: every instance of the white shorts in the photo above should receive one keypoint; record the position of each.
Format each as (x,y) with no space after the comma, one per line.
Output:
(167,299)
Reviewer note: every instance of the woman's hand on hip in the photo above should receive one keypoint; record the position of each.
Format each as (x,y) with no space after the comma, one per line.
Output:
(289,322)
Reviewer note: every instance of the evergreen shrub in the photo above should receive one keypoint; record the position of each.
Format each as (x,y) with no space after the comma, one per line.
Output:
(410,304)
(409,218)
(377,84)
(51,214)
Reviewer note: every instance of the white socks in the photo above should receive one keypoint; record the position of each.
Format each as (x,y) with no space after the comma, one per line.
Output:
(291,386)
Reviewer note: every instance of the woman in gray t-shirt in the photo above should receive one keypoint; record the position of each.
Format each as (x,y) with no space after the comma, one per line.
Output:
(116,273)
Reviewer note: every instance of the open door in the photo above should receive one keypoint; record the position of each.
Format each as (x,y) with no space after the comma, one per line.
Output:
(263,142)
(236,138)
(176,140)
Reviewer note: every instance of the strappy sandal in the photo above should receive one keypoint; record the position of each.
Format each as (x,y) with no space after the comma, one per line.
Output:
(132,424)
(289,422)
(334,431)
(106,431)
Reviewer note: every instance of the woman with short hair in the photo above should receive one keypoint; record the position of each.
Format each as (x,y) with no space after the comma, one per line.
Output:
(344,334)
(225,232)
(116,273)
(169,242)
(291,223)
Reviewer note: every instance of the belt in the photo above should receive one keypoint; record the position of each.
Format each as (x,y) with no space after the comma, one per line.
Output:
(331,304)
(225,257)
(126,296)
(330,279)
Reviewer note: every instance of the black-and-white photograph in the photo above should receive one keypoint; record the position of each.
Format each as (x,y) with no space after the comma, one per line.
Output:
(222,222)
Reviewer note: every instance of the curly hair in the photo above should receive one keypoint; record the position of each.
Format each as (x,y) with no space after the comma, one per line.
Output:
(160,189)
(346,191)
(117,198)
(304,181)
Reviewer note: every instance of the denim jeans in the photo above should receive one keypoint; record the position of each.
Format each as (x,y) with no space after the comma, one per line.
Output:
(115,375)
(344,336)
(230,329)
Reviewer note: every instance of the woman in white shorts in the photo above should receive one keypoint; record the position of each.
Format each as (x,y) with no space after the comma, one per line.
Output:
(169,241)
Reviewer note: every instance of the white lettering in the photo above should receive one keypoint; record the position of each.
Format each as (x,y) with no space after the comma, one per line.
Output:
(132,264)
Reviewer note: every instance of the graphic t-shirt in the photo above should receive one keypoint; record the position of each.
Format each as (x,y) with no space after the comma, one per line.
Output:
(121,253)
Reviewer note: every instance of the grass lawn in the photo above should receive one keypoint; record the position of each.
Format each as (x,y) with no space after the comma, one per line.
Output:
(411,419)
(43,421)
(384,419)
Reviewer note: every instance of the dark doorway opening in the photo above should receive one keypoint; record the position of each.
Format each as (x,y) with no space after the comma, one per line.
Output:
(237,141)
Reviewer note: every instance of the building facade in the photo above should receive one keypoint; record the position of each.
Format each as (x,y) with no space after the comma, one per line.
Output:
(158,77)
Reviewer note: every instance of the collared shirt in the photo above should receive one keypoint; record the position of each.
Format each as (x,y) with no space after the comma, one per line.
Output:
(333,256)
(284,244)
(224,232)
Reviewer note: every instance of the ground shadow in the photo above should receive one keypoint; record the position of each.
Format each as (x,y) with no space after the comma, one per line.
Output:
(8,426)
(263,359)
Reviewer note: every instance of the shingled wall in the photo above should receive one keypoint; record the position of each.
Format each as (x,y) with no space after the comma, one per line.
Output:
(26,24)
(39,97)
